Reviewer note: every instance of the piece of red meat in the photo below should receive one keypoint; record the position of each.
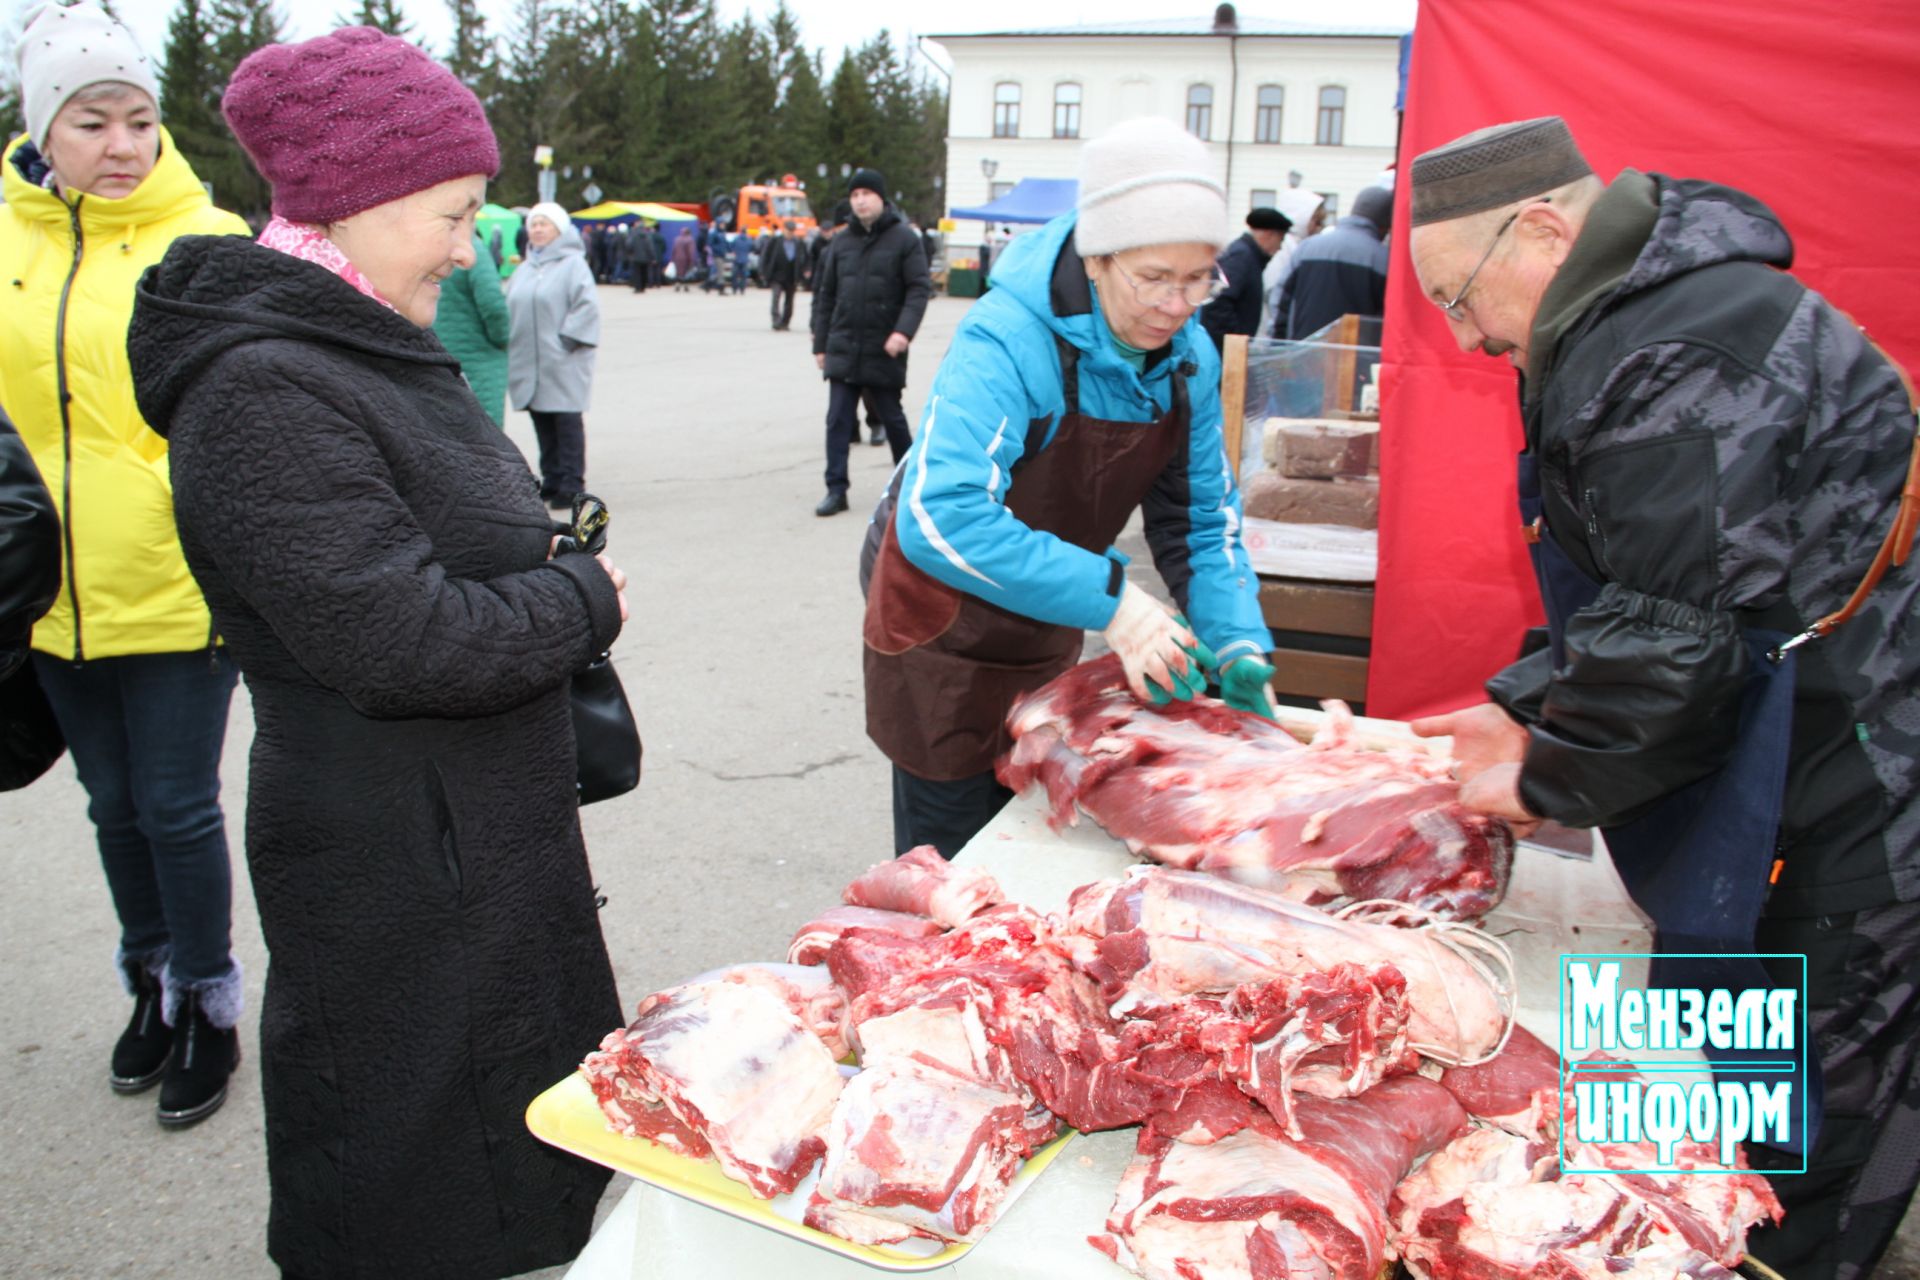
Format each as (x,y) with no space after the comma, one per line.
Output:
(817,936)
(1517,1089)
(920,882)
(734,1063)
(1157,936)
(915,1150)
(1200,786)
(1261,1204)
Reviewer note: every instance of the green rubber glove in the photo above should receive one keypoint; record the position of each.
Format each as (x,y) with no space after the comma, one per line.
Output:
(1200,660)
(1243,686)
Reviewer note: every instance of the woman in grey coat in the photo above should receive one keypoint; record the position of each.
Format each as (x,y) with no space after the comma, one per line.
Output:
(556,329)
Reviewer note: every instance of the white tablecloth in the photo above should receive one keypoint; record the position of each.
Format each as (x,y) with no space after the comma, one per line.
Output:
(1554,905)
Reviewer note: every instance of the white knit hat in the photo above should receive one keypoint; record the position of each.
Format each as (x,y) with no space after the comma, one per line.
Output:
(1148,181)
(552,213)
(65,49)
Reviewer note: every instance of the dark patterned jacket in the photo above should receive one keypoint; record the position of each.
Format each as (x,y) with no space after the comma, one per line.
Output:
(375,554)
(1722,449)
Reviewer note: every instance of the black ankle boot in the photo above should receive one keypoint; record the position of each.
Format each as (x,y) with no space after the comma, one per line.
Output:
(204,1057)
(140,1055)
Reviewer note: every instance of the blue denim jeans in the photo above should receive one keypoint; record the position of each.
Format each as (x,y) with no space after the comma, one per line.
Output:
(146,733)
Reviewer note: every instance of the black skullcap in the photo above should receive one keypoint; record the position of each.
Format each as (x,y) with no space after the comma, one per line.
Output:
(867,180)
(1495,167)
(1265,219)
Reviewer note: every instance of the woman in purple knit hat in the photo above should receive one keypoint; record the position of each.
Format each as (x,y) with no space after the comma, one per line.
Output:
(378,559)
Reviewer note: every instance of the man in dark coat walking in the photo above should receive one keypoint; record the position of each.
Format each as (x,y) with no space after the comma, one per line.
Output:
(780,258)
(1237,309)
(642,253)
(868,298)
(1343,272)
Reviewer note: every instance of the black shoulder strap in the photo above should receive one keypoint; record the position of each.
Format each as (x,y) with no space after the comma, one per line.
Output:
(1069,374)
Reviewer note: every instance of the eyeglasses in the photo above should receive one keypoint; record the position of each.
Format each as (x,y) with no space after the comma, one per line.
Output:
(1458,303)
(1154,293)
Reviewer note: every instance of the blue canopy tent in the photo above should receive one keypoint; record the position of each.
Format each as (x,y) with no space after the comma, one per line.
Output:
(1031,200)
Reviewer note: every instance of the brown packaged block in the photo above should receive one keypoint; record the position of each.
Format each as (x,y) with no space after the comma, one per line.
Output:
(1348,500)
(1319,448)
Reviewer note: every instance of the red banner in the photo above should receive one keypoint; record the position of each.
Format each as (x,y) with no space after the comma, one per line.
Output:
(1814,109)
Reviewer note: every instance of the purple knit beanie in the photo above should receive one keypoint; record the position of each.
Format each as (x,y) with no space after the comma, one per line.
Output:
(353,119)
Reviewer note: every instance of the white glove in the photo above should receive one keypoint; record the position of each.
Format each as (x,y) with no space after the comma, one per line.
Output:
(1152,645)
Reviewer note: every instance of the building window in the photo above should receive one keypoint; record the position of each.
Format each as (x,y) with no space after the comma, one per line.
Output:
(1332,128)
(1066,111)
(1266,118)
(1006,110)
(1263,198)
(1332,205)
(1200,111)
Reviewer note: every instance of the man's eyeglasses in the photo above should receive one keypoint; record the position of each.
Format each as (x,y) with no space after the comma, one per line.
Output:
(1457,305)
(1154,293)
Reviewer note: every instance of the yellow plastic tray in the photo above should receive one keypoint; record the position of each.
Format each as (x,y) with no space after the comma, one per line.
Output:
(566,1116)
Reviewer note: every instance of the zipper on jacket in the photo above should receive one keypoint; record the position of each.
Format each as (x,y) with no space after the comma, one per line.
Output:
(213,644)
(66,431)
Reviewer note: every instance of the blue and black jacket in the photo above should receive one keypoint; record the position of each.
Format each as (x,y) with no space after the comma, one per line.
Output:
(998,395)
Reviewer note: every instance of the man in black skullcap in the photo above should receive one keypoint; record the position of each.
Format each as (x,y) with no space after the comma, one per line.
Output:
(1237,308)
(1341,273)
(1714,458)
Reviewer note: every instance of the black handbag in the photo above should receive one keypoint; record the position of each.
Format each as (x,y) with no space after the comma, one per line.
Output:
(30,738)
(606,739)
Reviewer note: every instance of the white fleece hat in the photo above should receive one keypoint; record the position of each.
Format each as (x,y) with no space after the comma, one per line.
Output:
(552,213)
(1148,181)
(65,49)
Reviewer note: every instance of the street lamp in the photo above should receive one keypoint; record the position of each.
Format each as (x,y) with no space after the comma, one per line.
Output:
(987,169)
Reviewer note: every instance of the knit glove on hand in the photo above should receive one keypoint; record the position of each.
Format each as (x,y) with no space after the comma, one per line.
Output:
(1157,651)
(1244,685)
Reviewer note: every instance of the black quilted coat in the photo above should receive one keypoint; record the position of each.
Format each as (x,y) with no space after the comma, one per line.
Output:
(871,283)
(374,552)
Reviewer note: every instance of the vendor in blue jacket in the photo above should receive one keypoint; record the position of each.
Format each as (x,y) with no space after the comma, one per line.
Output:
(1081,389)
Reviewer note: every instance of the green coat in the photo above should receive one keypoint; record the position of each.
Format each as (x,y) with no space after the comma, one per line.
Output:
(472,324)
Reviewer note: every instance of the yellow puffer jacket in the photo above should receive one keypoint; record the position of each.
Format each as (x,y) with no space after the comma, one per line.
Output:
(63,316)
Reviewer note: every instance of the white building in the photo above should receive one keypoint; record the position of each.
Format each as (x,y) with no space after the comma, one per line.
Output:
(1278,103)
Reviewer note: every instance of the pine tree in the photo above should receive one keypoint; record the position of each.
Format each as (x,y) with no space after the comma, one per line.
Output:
(471,56)
(190,95)
(800,134)
(386,15)
(232,30)
(854,131)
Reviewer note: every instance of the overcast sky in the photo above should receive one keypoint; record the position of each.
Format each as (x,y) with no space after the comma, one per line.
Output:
(829,24)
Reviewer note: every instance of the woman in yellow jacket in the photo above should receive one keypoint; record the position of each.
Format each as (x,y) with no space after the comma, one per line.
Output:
(128,658)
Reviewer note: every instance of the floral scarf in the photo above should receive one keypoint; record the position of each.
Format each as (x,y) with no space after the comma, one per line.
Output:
(298,240)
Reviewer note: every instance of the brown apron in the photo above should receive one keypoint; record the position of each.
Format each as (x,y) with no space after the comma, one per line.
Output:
(942,666)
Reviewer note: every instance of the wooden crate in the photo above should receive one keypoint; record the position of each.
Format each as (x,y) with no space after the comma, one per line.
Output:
(1323,633)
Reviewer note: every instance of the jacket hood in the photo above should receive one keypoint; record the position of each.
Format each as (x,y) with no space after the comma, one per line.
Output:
(1298,204)
(211,294)
(1045,273)
(568,244)
(1643,231)
(169,190)
(1701,224)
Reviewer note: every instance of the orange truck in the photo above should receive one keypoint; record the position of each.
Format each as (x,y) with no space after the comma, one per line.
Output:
(761,206)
